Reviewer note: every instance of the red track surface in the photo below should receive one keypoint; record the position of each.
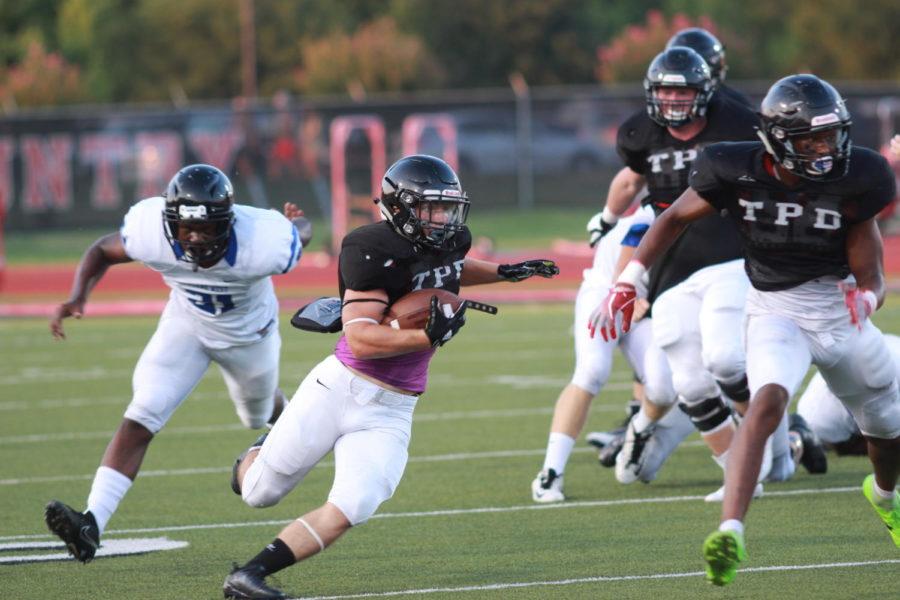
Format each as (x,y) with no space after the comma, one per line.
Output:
(133,289)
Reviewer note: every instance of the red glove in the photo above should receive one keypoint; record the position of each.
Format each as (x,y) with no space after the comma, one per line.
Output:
(860,303)
(619,304)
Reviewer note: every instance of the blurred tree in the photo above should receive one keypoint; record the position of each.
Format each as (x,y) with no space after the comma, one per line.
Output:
(377,56)
(842,40)
(25,21)
(626,57)
(480,43)
(41,79)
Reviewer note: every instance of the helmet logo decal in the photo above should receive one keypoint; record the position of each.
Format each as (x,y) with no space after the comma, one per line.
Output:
(192,212)
(825,119)
(673,78)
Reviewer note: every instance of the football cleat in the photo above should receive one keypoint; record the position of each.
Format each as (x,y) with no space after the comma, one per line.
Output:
(77,530)
(547,487)
(249,583)
(723,551)
(630,460)
(719,494)
(806,447)
(235,485)
(607,455)
(891,517)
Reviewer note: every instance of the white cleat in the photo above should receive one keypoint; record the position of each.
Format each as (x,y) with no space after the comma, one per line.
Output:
(719,494)
(547,487)
(630,461)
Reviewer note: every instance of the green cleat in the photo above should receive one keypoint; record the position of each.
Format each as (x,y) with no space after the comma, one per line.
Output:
(723,551)
(891,517)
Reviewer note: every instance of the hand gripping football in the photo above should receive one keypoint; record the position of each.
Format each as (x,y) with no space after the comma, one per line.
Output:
(411,311)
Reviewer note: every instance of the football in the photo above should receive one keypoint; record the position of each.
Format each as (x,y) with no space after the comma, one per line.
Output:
(411,311)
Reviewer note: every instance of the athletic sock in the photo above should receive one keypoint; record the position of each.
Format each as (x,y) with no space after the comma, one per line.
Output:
(273,558)
(641,421)
(732,525)
(559,447)
(107,491)
(884,498)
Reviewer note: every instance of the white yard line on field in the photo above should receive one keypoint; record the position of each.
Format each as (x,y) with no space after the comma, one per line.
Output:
(597,579)
(457,512)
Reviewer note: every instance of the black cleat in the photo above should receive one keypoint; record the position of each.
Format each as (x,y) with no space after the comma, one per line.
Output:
(811,450)
(77,530)
(609,452)
(235,486)
(249,583)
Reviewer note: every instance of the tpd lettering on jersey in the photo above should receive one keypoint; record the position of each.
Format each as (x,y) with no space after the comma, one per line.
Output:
(792,214)
(434,278)
(679,159)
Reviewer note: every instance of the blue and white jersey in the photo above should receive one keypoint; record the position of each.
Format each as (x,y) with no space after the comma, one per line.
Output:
(233,302)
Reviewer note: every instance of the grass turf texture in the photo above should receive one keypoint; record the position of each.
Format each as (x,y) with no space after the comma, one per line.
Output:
(510,230)
(491,396)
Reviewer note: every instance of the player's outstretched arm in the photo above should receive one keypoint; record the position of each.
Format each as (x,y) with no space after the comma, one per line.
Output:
(865,254)
(106,251)
(367,337)
(476,271)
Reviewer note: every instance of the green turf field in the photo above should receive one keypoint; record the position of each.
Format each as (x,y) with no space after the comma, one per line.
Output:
(462,524)
(510,230)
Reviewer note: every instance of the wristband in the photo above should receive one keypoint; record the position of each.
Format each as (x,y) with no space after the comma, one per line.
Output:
(632,273)
(609,216)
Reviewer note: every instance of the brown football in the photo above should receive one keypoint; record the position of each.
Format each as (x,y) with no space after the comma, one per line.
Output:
(411,311)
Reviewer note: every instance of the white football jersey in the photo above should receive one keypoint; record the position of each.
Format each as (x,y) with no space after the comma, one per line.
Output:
(233,302)
(606,253)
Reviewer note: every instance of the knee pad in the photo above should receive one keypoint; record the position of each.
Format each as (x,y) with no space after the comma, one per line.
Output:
(738,391)
(590,376)
(359,507)
(254,414)
(879,416)
(693,386)
(708,414)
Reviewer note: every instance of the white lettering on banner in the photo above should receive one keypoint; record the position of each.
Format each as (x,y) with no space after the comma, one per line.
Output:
(158,155)
(216,148)
(827,219)
(750,209)
(104,151)
(787,210)
(7,148)
(47,168)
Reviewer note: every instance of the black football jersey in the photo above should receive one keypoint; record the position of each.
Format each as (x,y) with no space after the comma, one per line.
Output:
(791,235)
(648,148)
(731,94)
(375,257)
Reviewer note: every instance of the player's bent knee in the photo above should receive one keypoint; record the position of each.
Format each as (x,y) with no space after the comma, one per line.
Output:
(725,364)
(694,387)
(359,504)
(260,489)
(879,416)
(590,378)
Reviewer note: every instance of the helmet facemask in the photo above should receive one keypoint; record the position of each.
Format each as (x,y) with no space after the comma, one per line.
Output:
(214,238)
(817,152)
(432,217)
(671,112)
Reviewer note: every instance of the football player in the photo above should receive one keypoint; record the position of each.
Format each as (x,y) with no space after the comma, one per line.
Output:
(697,291)
(218,258)
(359,401)
(805,210)
(828,419)
(711,49)
(593,363)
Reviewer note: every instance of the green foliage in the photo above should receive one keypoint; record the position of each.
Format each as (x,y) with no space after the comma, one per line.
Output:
(41,78)
(378,57)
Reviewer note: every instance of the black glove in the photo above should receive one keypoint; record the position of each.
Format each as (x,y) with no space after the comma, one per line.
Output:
(440,328)
(598,227)
(529,268)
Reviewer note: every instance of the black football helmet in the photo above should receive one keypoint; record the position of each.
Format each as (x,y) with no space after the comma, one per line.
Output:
(414,190)
(798,106)
(706,45)
(200,194)
(682,68)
